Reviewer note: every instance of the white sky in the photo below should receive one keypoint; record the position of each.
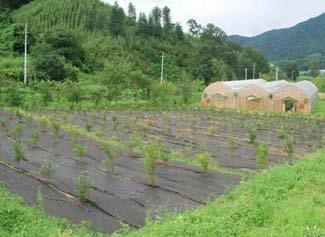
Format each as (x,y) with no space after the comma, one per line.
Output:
(243,17)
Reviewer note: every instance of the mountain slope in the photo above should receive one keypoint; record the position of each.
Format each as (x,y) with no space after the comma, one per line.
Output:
(299,41)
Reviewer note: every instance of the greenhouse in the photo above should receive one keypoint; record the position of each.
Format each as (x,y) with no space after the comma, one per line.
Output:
(258,94)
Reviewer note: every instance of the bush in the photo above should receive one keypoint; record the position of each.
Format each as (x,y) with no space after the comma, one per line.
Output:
(251,135)
(262,152)
(34,139)
(18,150)
(79,151)
(151,153)
(111,156)
(203,159)
(288,145)
(83,186)
(48,170)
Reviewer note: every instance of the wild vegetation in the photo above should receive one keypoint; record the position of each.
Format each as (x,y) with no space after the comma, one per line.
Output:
(90,51)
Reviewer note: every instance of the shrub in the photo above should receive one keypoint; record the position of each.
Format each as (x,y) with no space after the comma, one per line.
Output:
(48,170)
(79,151)
(203,159)
(88,126)
(231,142)
(34,139)
(54,144)
(262,152)
(18,150)
(251,135)
(281,132)
(213,130)
(111,156)
(83,186)
(288,145)
(151,153)
(56,127)
(115,123)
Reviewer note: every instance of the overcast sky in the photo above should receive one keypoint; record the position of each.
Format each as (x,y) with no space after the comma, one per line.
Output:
(243,17)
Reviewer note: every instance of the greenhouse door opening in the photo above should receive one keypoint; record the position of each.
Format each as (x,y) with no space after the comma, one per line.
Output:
(289,105)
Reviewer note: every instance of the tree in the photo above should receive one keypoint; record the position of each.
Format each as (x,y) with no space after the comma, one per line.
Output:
(194,28)
(49,65)
(14,4)
(117,21)
(83,186)
(220,70)
(66,44)
(292,70)
(142,25)
(155,21)
(186,88)
(179,34)
(214,33)
(132,15)
(314,66)
(167,22)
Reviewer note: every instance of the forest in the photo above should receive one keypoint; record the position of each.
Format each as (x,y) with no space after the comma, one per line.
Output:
(100,52)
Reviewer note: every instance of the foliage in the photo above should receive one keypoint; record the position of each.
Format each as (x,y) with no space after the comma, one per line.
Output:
(292,70)
(262,152)
(83,186)
(203,160)
(48,169)
(20,219)
(79,150)
(34,138)
(288,145)
(111,156)
(18,151)
(151,154)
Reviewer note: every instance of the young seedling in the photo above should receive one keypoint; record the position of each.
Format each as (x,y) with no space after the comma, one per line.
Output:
(251,135)
(281,132)
(231,142)
(262,152)
(83,186)
(34,139)
(203,159)
(115,123)
(48,170)
(88,126)
(288,145)
(109,162)
(151,153)
(18,150)
(213,130)
(79,151)
(18,132)
(44,123)
(56,128)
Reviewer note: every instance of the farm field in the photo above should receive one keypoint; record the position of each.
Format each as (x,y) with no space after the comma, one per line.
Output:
(70,142)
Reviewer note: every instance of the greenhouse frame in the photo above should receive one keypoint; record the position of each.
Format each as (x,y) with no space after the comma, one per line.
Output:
(258,94)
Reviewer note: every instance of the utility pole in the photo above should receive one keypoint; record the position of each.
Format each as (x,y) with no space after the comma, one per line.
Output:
(277,73)
(245,73)
(25,61)
(162,68)
(254,67)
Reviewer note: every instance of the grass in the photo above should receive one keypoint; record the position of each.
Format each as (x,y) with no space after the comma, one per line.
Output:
(18,219)
(320,107)
(283,201)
